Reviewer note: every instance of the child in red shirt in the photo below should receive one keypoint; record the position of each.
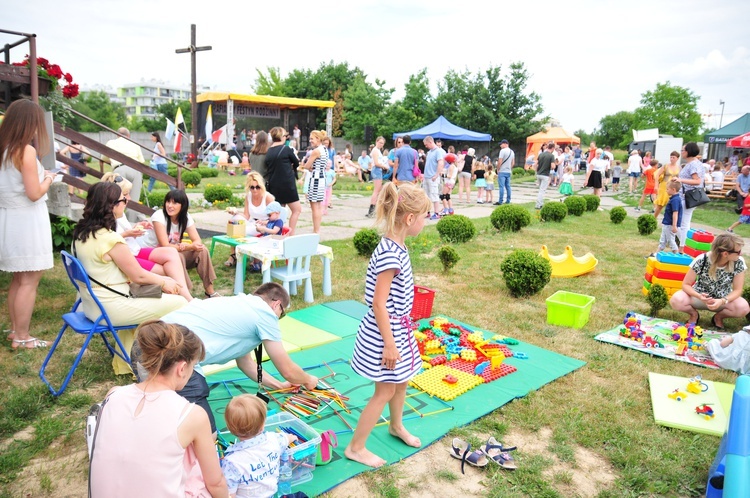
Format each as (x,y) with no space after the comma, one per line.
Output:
(651,188)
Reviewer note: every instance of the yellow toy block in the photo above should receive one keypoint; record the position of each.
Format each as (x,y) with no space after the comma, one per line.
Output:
(650,265)
(469,355)
(426,365)
(420,336)
(475,337)
(497,361)
(431,382)
(439,322)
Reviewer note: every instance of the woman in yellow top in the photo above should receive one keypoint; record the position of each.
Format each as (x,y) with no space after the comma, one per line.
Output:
(663,176)
(106,257)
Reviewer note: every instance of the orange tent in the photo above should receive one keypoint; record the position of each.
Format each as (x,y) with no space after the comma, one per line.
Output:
(557,135)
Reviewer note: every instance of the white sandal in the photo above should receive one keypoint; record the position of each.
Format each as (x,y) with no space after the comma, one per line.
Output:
(37,343)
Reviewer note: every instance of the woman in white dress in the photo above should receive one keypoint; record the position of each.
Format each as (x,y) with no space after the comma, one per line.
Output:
(25,236)
(316,163)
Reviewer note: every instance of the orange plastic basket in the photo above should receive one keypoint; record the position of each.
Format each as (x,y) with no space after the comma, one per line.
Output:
(423,299)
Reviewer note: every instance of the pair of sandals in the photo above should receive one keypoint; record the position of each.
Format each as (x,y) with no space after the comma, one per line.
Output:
(22,343)
(492,451)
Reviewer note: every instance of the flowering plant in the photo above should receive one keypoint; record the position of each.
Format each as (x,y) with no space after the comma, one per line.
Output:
(53,74)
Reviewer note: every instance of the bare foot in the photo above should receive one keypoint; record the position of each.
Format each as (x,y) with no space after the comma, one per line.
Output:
(726,341)
(365,457)
(405,436)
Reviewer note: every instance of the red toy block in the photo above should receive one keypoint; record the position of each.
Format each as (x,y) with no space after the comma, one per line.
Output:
(491,374)
(450,379)
(692,252)
(668,275)
(702,236)
(438,360)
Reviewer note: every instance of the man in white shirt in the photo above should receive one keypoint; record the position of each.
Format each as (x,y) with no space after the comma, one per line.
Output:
(123,145)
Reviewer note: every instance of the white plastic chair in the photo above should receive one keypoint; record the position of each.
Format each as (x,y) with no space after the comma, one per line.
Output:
(297,251)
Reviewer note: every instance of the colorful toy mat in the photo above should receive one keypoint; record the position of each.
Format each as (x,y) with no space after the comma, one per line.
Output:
(682,414)
(661,329)
(429,418)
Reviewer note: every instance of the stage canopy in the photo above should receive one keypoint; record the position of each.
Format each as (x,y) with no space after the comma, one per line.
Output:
(557,135)
(442,128)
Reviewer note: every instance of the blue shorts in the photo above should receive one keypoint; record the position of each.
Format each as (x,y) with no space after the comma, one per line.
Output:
(376,173)
(634,175)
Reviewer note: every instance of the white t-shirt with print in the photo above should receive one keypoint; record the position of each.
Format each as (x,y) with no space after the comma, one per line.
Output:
(174,235)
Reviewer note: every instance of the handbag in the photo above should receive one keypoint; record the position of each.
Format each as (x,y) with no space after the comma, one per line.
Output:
(415,171)
(152,291)
(695,197)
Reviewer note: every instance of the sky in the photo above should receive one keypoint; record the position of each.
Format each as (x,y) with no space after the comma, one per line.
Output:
(587,59)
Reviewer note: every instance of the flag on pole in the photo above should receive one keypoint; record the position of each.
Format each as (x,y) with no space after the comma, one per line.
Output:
(209,125)
(220,135)
(179,123)
(169,133)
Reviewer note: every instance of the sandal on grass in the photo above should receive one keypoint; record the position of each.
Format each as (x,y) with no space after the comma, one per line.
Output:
(715,325)
(231,262)
(209,296)
(22,343)
(462,451)
(10,334)
(499,454)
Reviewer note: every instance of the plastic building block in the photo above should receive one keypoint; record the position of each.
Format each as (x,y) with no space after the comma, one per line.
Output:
(419,336)
(432,382)
(426,365)
(520,355)
(673,258)
(491,374)
(450,379)
(479,369)
(469,355)
(438,360)
(510,341)
(475,337)
(462,365)
(496,361)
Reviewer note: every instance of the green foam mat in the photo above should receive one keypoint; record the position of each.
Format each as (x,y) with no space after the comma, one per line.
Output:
(351,308)
(427,417)
(303,335)
(661,329)
(327,319)
(681,414)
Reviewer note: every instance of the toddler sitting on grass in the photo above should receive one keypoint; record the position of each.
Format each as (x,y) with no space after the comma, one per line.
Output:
(251,465)
(732,352)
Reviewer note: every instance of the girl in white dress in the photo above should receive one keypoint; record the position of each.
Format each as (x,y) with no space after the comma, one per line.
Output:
(25,233)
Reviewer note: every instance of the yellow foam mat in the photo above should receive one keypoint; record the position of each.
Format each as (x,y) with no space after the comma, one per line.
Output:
(304,336)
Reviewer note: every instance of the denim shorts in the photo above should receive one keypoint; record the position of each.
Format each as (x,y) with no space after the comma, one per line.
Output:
(634,175)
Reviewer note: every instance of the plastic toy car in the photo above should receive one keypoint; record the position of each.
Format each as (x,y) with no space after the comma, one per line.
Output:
(705,411)
(677,395)
(696,385)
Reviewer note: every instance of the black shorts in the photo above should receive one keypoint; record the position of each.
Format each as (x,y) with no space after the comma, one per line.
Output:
(196,391)
(615,179)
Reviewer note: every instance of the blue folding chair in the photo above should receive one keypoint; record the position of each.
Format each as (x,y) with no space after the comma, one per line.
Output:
(77,321)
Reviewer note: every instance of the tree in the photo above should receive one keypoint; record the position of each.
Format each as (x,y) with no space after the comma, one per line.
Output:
(97,106)
(615,130)
(418,100)
(270,84)
(586,138)
(672,109)
(364,104)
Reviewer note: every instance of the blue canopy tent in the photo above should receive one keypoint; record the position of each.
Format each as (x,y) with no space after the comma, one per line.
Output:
(442,128)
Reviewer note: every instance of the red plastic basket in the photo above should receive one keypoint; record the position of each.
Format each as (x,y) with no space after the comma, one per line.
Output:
(423,299)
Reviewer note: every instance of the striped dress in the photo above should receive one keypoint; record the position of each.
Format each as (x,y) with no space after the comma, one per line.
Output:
(368,347)
(316,182)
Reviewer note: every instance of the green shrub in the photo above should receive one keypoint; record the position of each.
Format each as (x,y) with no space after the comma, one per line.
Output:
(208,172)
(448,256)
(576,204)
(617,215)
(553,211)
(517,172)
(365,241)
(217,193)
(62,232)
(530,172)
(525,272)
(156,199)
(191,178)
(592,202)
(510,218)
(172,171)
(456,228)
(657,298)
(646,224)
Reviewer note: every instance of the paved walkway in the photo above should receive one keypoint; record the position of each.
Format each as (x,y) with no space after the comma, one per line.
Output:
(348,213)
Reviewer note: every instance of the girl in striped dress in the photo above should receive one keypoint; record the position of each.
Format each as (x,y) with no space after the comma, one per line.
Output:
(316,164)
(385,350)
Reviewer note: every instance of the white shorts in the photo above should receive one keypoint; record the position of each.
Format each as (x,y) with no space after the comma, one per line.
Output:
(432,189)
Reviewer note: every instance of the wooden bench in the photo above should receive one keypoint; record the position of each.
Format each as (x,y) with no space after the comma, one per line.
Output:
(229,166)
(727,186)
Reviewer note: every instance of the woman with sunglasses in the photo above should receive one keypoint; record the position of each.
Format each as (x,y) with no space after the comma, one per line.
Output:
(256,201)
(714,282)
(107,259)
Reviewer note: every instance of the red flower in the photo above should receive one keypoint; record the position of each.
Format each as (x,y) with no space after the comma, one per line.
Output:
(70,91)
(42,62)
(54,71)
(68,77)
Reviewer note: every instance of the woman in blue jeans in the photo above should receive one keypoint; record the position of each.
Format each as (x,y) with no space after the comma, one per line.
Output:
(157,162)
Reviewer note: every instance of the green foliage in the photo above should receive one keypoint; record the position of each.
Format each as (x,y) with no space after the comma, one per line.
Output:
(657,298)
(525,272)
(530,172)
(172,170)
(576,204)
(62,232)
(592,202)
(365,241)
(517,172)
(616,130)
(155,198)
(646,224)
(208,172)
(448,257)
(456,228)
(97,106)
(364,104)
(270,84)
(510,217)
(191,178)
(672,109)
(217,193)
(617,215)
(553,211)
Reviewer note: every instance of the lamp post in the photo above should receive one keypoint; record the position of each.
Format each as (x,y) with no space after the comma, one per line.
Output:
(721,103)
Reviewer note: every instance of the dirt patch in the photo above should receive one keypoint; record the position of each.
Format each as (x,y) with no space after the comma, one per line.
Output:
(62,475)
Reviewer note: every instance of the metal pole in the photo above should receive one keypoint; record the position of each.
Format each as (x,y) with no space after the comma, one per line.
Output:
(32,68)
(193,96)
(721,119)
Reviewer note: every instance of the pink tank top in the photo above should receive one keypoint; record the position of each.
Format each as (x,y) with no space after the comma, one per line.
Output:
(141,455)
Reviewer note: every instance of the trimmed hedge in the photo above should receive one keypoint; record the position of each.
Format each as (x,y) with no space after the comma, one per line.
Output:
(576,205)
(617,215)
(510,218)
(456,228)
(365,241)
(553,211)
(646,224)
(525,272)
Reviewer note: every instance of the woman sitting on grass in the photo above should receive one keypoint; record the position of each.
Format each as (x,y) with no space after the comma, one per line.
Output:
(714,282)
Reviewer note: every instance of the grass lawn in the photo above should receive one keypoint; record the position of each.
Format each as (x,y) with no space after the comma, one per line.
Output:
(602,410)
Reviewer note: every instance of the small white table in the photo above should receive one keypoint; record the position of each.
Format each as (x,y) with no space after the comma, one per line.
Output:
(267,255)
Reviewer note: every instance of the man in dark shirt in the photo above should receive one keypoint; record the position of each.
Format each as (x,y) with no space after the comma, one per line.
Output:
(543,166)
